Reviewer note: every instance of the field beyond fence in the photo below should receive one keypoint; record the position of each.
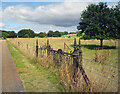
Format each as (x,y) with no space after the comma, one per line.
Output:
(79,64)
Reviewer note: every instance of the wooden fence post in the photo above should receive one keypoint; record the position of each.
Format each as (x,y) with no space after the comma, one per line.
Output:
(48,48)
(18,44)
(75,60)
(80,54)
(37,48)
(80,65)
(27,46)
(60,55)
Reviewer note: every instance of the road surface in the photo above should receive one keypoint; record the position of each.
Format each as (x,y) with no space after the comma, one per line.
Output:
(11,81)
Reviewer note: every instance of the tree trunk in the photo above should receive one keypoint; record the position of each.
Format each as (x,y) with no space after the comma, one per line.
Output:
(101,43)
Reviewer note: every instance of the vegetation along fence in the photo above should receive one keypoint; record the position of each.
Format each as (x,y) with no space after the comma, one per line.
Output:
(59,56)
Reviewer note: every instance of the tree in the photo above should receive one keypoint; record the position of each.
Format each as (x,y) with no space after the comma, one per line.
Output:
(116,21)
(26,33)
(50,33)
(26,36)
(57,34)
(79,34)
(8,34)
(72,33)
(42,35)
(36,34)
(94,22)
(12,34)
(5,35)
(65,32)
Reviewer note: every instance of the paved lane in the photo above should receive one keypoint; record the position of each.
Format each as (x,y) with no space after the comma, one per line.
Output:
(11,81)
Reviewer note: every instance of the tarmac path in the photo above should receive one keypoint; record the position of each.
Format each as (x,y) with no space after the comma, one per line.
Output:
(11,81)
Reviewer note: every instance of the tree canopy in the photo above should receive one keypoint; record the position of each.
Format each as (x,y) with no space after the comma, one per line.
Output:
(116,24)
(57,34)
(97,22)
(42,34)
(8,34)
(54,34)
(25,33)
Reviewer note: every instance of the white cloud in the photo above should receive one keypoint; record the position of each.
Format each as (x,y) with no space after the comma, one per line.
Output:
(2,25)
(63,14)
(42,28)
(58,0)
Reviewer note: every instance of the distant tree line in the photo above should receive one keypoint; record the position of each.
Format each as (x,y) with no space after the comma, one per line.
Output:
(8,34)
(51,34)
(28,33)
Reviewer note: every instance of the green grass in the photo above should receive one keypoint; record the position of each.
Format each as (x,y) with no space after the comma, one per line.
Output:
(35,78)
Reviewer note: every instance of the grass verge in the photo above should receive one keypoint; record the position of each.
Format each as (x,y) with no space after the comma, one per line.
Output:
(35,79)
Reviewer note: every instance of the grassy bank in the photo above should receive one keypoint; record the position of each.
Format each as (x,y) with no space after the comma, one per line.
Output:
(35,79)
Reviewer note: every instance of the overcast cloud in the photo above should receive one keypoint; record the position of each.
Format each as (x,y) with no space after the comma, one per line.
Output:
(63,14)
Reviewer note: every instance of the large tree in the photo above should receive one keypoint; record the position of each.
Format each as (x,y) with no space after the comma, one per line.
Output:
(95,22)
(116,24)
(24,33)
(50,33)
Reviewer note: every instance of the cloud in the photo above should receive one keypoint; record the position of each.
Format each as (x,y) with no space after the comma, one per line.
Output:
(62,14)
(41,28)
(58,0)
(2,25)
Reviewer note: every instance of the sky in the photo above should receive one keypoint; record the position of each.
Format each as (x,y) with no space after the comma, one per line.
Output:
(42,16)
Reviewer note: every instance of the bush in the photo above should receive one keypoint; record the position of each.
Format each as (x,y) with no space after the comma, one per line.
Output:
(68,36)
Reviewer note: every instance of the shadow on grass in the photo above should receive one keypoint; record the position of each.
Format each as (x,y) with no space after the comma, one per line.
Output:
(96,47)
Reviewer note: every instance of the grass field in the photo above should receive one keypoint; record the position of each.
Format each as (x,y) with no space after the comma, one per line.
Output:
(69,35)
(102,73)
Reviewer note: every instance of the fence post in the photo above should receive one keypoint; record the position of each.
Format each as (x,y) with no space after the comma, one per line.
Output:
(18,44)
(60,55)
(48,48)
(27,46)
(80,54)
(37,48)
(75,60)
(80,65)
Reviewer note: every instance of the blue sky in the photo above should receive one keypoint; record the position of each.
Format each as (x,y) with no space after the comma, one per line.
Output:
(32,4)
(42,16)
